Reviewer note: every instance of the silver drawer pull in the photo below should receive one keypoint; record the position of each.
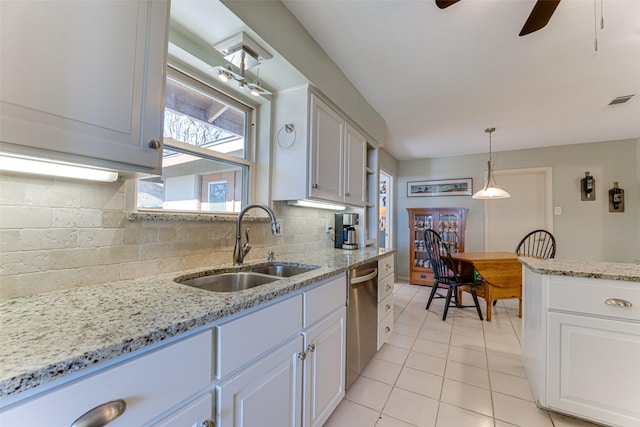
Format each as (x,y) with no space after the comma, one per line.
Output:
(388,287)
(311,348)
(387,329)
(208,423)
(101,415)
(618,302)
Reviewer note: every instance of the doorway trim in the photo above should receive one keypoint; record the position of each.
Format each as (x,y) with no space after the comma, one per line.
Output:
(389,208)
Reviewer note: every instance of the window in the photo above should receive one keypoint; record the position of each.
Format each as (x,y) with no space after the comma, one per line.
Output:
(207,156)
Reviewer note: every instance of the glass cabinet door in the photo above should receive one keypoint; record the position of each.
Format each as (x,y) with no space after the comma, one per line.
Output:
(421,223)
(449,225)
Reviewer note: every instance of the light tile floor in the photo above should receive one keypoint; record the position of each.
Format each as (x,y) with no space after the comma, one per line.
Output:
(457,373)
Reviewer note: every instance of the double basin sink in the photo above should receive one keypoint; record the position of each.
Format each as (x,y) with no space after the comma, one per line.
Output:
(241,280)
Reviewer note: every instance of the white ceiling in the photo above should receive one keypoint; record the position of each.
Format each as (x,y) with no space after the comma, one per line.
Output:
(440,77)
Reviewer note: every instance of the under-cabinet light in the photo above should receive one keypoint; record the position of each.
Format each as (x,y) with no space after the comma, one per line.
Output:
(314,204)
(38,166)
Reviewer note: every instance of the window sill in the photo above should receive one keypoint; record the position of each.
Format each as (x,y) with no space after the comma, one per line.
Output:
(173,216)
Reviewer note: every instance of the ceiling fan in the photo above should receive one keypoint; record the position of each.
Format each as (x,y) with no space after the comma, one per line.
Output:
(538,17)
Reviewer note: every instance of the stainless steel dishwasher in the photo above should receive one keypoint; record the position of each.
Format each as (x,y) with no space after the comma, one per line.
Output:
(362,319)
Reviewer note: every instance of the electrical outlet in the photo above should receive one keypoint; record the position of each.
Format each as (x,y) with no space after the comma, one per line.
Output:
(328,227)
(281,223)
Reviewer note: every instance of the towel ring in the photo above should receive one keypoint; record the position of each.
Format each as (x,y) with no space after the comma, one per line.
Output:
(288,128)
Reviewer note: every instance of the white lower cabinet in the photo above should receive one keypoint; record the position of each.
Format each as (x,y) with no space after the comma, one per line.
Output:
(386,279)
(296,383)
(282,365)
(324,378)
(581,346)
(149,385)
(590,361)
(267,393)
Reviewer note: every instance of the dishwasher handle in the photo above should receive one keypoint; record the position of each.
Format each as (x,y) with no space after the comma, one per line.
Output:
(359,279)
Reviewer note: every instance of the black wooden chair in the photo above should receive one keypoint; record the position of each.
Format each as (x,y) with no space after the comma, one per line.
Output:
(446,273)
(538,243)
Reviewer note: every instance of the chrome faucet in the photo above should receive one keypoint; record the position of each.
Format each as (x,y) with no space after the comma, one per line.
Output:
(240,251)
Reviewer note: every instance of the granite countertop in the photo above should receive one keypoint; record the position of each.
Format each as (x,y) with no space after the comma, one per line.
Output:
(45,337)
(591,269)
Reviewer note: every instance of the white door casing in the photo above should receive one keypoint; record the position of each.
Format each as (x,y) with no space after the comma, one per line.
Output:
(530,207)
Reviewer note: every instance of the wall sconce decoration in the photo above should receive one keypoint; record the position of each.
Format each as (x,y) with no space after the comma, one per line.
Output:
(616,198)
(588,188)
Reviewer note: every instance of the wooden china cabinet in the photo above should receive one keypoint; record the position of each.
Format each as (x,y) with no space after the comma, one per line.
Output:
(448,222)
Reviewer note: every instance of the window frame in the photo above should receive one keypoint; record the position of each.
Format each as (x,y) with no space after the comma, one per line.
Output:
(248,163)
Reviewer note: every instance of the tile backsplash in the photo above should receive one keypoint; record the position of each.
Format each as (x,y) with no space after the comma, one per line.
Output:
(58,234)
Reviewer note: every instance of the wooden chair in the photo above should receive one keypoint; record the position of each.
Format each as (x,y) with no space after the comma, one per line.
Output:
(538,243)
(445,273)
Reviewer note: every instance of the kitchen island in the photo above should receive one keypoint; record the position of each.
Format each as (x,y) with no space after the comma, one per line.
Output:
(581,338)
(51,339)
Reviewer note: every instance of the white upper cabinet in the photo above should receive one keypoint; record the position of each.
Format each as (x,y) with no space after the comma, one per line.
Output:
(84,80)
(326,161)
(354,172)
(322,157)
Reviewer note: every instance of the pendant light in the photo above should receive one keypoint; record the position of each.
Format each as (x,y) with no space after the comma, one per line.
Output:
(491,189)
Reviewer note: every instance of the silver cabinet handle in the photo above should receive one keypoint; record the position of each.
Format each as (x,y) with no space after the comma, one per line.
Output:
(387,267)
(387,329)
(347,194)
(155,144)
(387,307)
(302,355)
(208,423)
(314,186)
(617,302)
(311,348)
(388,287)
(101,415)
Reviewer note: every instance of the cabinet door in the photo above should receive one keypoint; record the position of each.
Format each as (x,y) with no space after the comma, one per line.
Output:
(194,414)
(354,170)
(85,79)
(268,392)
(325,346)
(593,368)
(326,158)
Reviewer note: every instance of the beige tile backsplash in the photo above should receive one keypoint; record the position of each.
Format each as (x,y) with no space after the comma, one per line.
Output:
(60,234)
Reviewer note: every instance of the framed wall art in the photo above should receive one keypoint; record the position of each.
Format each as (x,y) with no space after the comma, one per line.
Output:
(440,187)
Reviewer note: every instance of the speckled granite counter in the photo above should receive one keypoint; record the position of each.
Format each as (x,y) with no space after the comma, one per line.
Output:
(45,337)
(592,269)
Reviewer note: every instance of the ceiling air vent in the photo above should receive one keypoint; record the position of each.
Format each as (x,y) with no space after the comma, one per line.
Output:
(621,99)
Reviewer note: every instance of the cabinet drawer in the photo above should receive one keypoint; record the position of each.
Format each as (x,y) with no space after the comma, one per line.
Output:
(385,328)
(386,266)
(385,287)
(149,385)
(324,299)
(385,307)
(242,340)
(590,296)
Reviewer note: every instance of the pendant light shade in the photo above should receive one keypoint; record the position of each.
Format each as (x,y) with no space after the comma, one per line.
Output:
(491,190)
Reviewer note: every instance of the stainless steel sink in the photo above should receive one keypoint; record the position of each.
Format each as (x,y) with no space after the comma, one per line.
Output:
(241,280)
(230,282)
(283,270)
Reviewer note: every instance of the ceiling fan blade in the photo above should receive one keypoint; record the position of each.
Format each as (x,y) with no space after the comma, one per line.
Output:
(443,4)
(539,16)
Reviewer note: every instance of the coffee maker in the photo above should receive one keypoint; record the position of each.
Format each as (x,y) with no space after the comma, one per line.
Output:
(346,236)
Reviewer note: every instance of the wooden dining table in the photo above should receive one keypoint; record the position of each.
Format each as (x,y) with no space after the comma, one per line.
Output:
(501,270)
